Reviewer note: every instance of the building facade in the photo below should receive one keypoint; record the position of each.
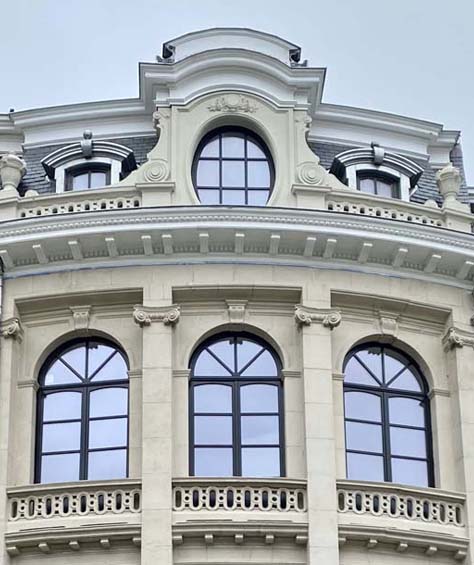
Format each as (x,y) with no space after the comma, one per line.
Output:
(236,323)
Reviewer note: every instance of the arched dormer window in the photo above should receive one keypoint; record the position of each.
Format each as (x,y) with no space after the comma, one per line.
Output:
(236,409)
(82,430)
(233,166)
(88,164)
(387,417)
(376,171)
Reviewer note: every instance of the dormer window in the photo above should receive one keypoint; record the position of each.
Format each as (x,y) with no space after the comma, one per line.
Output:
(85,177)
(379,184)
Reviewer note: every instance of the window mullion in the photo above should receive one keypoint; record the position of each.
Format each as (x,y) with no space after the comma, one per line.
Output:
(84,434)
(237,439)
(387,462)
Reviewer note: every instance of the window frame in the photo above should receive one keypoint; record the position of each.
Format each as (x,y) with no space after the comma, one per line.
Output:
(86,168)
(236,383)
(374,175)
(248,134)
(385,393)
(85,389)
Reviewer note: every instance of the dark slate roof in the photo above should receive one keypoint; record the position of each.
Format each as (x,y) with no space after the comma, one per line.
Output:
(36,178)
(427,187)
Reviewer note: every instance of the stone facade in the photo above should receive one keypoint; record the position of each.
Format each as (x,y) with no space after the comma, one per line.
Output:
(319,270)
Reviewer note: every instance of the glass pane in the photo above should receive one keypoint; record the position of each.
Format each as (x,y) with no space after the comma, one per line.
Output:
(208,196)
(213,398)
(260,430)
(211,149)
(114,370)
(207,366)
(246,351)
(233,145)
(233,173)
(394,364)
(258,174)
(362,406)
(254,151)
(107,464)
(406,381)
(213,430)
(259,398)
(61,437)
(233,197)
(213,462)
(60,468)
(62,406)
(263,366)
(364,437)
(59,374)
(411,443)
(109,402)
(409,472)
(372,359)
(98,354)
(357,374)
(408,411)
(364,467)
(261,462)
(384,189)
(367,185)
(257,197)
(98,179)
(80,182)
(108,433)
(208,173)
(225,351)
(76,359)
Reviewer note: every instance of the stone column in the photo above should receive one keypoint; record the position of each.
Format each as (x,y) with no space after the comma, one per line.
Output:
(316,326)
(157,324)
(459,347)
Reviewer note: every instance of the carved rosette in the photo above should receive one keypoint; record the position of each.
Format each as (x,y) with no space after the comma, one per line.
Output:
(311,173)
(146,315)
(233,103)
(306,316)
(453,338)
(12,328)
(156,171)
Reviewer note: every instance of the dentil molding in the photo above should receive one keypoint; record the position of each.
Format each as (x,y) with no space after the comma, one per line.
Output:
(146,315)
(305,316)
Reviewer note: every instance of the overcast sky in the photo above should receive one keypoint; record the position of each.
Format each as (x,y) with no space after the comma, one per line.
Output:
(410,57)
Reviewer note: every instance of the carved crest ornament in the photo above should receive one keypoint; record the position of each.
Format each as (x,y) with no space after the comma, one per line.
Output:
(233,103)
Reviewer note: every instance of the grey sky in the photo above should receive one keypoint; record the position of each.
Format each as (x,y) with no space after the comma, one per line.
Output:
(411,57)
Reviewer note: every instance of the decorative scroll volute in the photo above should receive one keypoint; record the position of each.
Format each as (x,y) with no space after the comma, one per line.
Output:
(146,315)
(453,338)
(12,328)
(305,316)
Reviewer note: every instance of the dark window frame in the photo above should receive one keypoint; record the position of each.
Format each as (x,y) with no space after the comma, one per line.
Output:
(382,177)
(85,389)
(236,383)
(385,393)
(247,134)
(83,169)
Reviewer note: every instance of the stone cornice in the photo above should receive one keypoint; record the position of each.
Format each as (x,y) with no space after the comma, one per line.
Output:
(146,315)
(305,316)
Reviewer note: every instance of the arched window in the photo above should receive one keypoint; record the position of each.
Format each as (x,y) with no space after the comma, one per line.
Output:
(85,177)
(379,184)
(233,166)
(387,420)
(236,409)
(83,413)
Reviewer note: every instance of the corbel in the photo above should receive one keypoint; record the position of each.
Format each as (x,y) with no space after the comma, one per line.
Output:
(236,310)
(305,316)
(80,317)
(12,328)
(453,338)
(146,315)
(388,323)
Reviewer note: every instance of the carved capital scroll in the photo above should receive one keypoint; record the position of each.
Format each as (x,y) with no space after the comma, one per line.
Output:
(305,316)
(454,338)
(146,315)
(12,328)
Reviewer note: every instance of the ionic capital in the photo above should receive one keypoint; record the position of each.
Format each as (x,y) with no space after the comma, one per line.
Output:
(454,338)
(146,315)
(305,316)
(12,328)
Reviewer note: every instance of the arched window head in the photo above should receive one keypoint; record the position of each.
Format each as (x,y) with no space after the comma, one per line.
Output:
(236,415)
(387,421)
(83,413)
(233,166)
